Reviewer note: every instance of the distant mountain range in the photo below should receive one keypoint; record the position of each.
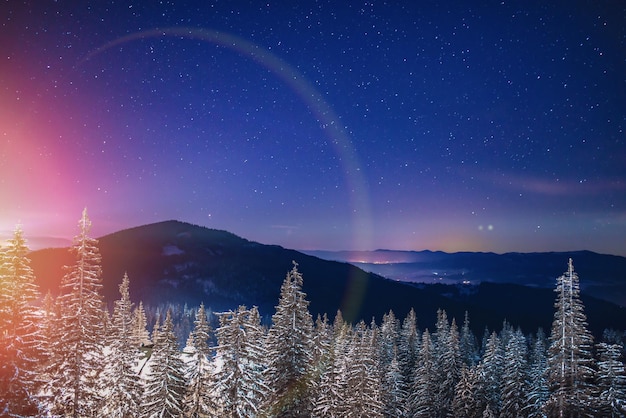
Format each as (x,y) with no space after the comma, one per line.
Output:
(602,276)
(176,262)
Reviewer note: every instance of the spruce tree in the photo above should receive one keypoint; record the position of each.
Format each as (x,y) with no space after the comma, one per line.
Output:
(388,338)
(514,377)
(240,357)
(330,392)
(469,350)
(538,392)
(77,356)
(140,334)
(165,383)
(322,342)
(464,404)
(290,352)
(408,348)
(198,399)
(447,363)
(570,361)
(422,396)
(363,384)
(20,340)
(611,381)
(394,393)
(491,367)
(122,383)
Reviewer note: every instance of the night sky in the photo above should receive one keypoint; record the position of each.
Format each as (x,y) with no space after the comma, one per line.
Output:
(443,125)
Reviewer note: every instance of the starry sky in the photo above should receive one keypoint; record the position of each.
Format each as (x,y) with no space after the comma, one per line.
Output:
(443,125)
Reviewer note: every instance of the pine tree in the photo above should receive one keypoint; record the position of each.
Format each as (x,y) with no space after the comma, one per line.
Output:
(394,393)
(256,355)
(330,392)
(514,377)
(611,381)
(408,348)
(165,384)
(388,338)
(362,376)
(322,343)
(447,363)
(422,397)
(77,356)
(469,350)
(240,358)
(290,352)
(570,361)
(538,392)
(198,400)
(20,340)
(464,404)
(489,390)
(140,334)
(123,387)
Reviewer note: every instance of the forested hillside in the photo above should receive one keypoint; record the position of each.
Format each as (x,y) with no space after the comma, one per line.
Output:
(177,264)
(72,357)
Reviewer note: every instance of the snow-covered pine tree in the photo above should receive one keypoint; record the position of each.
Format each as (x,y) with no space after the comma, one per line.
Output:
(77,355)
(468,346)
(362,375)
(464,403)
(289,352)
(165,383)
(20,340)
(570,361)
(140,335)
(256,359)
(394,393)
(322,342)
(388,338)
(421,403)
(330,391)
(447,362)
(490,369)
(408,348)
(514,377)
(121,381)
(198,399)
(538,392)
(611,381)
(240,357)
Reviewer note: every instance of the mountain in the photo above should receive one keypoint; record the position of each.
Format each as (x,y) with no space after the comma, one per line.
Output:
(183,263)
(602,276)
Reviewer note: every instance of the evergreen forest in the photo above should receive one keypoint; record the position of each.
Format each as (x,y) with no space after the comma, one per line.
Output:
(72,356)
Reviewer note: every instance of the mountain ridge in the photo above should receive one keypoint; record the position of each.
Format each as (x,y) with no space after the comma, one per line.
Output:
(178,262)
(604,275)
(185,263)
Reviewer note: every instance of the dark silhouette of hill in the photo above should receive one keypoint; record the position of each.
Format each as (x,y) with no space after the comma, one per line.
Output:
(182,263)
(178,262)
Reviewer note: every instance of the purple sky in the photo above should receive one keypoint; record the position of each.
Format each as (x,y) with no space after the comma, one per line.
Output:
(496,126)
